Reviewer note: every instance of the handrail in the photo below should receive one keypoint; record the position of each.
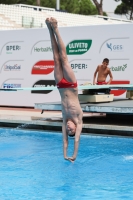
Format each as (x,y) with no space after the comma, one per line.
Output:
(112,18)
(37,7)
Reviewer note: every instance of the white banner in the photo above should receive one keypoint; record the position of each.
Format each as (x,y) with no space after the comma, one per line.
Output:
(26,59)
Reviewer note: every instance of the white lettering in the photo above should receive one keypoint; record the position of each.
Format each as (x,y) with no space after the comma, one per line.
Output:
(43,67)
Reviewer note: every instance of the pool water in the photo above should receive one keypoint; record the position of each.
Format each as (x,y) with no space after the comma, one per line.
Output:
(32,167)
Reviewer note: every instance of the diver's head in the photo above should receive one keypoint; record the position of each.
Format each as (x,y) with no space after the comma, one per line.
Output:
(71,128)
(105,62)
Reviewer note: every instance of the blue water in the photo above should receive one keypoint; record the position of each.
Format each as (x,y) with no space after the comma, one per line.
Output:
(32,167)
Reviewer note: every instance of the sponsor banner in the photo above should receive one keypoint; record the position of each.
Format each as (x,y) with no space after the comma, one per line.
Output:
(41,47)
(15,67)
(12,48)
(43,83)
(115,47)
(78,47)
(44,67)
(118,92)
(21,52)
(11,85)
(118,46)
(12,66)
(120,68)
(80,67)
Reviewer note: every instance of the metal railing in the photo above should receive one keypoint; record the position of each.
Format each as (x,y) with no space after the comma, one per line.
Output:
(112,18)
(30,22)
(38,8)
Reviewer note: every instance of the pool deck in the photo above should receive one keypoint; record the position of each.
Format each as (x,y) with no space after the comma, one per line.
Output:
(31,118)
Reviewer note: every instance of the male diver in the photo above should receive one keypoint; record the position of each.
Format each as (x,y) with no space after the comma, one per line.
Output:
(67,86)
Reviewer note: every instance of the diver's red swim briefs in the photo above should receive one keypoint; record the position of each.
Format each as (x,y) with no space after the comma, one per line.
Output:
(101,83)
(65,84)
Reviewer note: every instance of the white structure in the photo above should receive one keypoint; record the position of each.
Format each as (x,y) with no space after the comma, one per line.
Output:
(26,59)
(21,16)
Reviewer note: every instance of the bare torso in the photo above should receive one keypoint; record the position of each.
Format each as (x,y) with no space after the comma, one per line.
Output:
(70,105)
(102,73)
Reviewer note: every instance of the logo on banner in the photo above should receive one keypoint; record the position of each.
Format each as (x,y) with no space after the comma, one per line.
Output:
(42,49)
(79,66)
(42,46)
(78,47)
(119,68)
(119,91)
(115,47)
(43,67)
(43,83)
(12,48)
(15,67)
(11,85)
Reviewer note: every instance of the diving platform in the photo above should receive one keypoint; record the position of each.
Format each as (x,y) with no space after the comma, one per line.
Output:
(117,106)
(106,104)
(93,88)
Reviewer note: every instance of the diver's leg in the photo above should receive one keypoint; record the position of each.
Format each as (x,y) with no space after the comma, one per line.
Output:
(67,70)
(58,72)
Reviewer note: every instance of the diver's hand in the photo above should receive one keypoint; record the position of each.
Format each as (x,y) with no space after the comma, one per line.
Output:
(66,158)
(71,159)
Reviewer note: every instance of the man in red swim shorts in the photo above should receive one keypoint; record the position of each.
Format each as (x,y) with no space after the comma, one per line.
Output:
(67,85)
(103,71)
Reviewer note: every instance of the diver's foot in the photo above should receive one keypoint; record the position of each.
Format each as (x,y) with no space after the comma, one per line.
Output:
(54,23)
(48,23)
